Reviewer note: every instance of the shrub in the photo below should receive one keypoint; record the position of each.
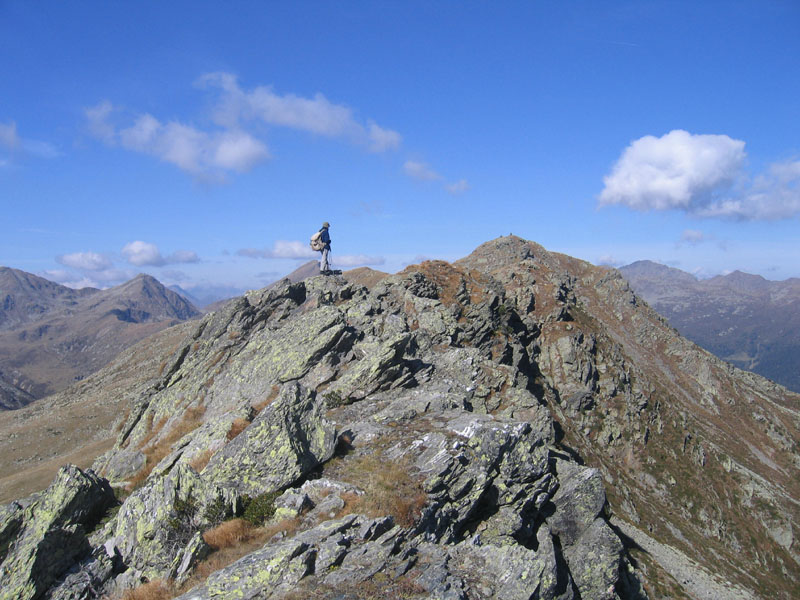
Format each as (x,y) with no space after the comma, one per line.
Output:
(257,510)
(216,511)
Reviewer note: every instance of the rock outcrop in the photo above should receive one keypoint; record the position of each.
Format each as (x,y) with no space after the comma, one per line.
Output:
(453,431)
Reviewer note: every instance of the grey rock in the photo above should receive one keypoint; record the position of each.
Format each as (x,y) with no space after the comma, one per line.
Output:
(51,535)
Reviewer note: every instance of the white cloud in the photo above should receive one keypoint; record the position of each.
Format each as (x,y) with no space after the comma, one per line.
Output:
(695,237)
(421,171)
(771,196)
(8,135)
(424,172)
(382,139)
(281,249)
(702,175)
(609,260)
(677,170)
(459,187)
(11,140)
(356,260)
(97,120)
(86,261)
(191,149)
(298,250)
(316,114)
(143,254)
(95,279)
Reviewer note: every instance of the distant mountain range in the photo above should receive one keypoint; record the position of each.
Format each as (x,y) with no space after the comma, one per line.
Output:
(747,320)
(52,335)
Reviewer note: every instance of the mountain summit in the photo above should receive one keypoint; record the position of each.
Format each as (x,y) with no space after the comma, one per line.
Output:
(517,424)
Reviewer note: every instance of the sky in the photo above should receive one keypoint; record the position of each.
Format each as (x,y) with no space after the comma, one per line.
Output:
(205,142)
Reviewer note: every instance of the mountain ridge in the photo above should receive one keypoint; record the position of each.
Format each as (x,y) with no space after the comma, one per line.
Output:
(744,319)
(520,403)
(53,335)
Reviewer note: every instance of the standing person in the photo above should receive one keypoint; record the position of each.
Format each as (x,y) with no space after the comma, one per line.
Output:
(325,238)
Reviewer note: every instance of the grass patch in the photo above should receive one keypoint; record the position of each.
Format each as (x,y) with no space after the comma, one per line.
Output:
(155,453)
(237,427)
(259,406)
(199,462)
(390,489)
(154,590)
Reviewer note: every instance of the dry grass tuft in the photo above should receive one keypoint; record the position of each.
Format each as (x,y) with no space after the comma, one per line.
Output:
(237,427)
(268,400)
(199,462)
(154,590)
(229,533)
(390,490)
(231,541)
(154,453)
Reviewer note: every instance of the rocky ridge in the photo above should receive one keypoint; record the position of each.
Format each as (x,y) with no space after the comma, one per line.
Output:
(452,431)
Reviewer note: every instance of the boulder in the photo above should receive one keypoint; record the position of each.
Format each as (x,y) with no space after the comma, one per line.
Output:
(51,532)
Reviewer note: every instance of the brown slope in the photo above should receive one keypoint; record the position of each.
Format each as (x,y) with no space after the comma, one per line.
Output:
(69,342)
(76,425)
(25,297)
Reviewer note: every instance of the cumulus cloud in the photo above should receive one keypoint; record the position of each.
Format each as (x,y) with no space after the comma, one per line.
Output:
(191,149)
(357,260)
(702,175)
(281,249)
(315,114)
(12,142)
(421,171)
(677,170)
(459,187)
(144,254)
(86,261)
(9,136)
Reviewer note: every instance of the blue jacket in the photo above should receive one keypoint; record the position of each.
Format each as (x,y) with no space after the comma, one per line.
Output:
(326,239)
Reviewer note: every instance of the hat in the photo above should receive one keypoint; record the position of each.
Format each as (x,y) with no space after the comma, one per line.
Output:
(325,225)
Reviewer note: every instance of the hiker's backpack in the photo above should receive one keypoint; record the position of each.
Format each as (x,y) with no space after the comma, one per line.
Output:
(316,241)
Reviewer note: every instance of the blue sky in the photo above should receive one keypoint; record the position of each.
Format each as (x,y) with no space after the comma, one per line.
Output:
(204,142)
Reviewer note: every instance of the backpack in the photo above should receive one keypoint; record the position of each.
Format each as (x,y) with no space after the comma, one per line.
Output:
(316,241)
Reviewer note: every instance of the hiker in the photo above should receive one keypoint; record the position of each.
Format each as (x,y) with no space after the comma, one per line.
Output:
(324,267)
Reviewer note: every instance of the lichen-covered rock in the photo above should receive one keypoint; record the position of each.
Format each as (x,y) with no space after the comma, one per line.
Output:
(52,533)
(158,522)
(285,441)
(87,578)
(275,569)
(490,465)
